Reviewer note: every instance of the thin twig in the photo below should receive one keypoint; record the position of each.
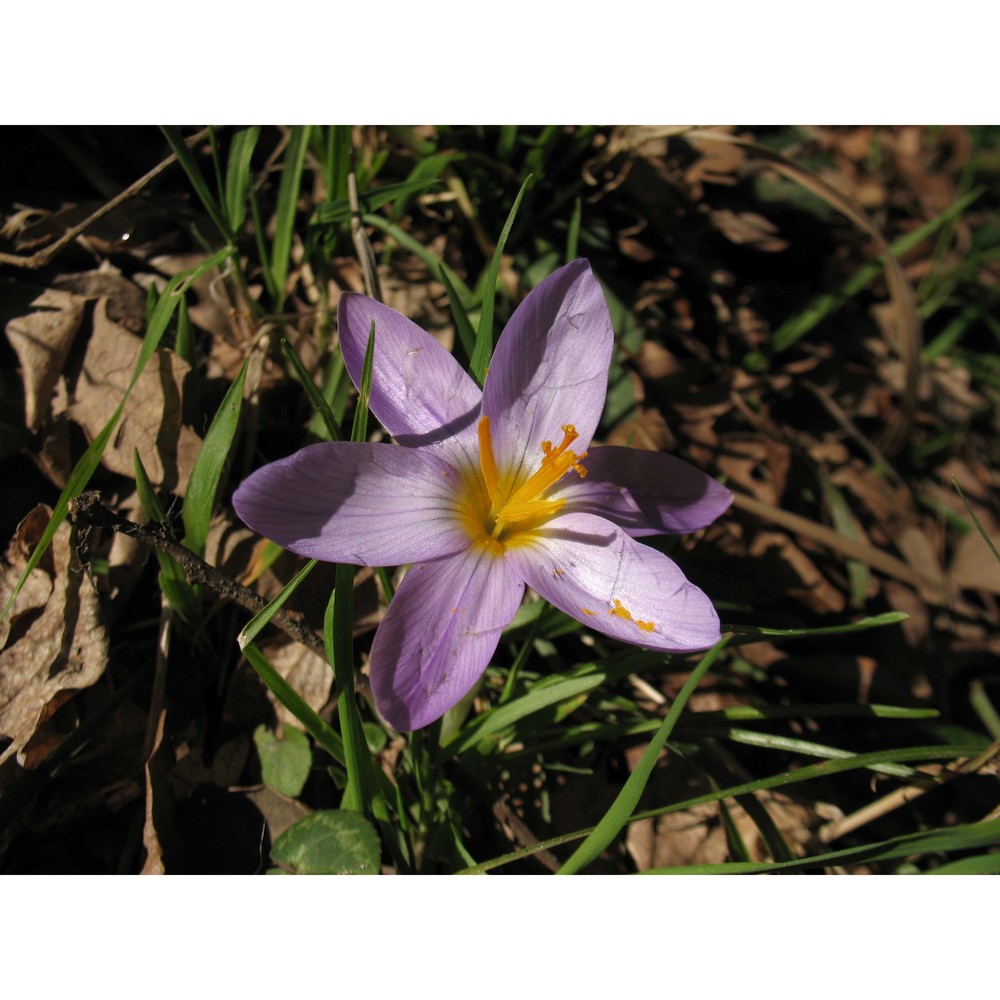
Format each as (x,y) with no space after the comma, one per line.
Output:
(43,256)
(87,510)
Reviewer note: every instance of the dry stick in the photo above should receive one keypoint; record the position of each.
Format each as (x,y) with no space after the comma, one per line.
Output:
(362,246)
(88,511)
(901,796)
(43,256)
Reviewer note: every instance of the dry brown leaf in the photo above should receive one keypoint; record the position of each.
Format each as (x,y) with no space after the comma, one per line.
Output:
(974,567)
(748,228)
(310,675)
(52,641)
(647,431)
(152,420)
(126,300)
(812,588)
(42,339)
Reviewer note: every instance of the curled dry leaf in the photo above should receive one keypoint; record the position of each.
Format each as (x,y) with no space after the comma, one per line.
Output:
(52,642)
(41,338)
(152,420)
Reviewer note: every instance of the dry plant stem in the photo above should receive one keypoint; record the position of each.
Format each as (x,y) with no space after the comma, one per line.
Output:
(362,246)
(159,678)
(849,427)
(88,511)
(901,796)
(43,256)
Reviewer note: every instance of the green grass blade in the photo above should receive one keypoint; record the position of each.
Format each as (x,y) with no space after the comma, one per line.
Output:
(744,634)
(206,474)
(540,697)
(970,836)
(180,595)
(253,627)
(484,339)
(975,520)
(789,744)
(405,240)
(184,345)
(624,805)
(91,459)
(463,326)
(979,864)
(799,776)
(288,196)
(362,794)
(327,737)
(573,235)
(190,167)
(238,176)
(319,404)
(796,327)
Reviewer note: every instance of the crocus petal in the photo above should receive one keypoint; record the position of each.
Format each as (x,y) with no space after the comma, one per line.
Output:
(439,633)
(420,393)
(644,492)
(592,570)
(368,504)
(549,369)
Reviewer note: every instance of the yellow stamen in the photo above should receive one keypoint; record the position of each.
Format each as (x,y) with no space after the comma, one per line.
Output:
(487,462)
(498,515)
(556,462)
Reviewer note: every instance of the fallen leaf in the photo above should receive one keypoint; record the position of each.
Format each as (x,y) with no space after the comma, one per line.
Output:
(52,641)
(152,420)
(42,339)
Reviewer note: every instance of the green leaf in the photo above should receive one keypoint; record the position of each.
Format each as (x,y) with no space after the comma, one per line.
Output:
(331,842)
(206,474)
(484,340)
(284,763)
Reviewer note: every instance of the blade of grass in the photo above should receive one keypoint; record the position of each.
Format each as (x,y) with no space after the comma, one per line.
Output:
(803,774)
(975,520)
(180,595)
(288,196)
(628,798)
(970,836)
(238,176)
(362,794)
(327,737)
(744,634)
(483,350)
(206,474)
(405,240)
(190,166)
(253,627)
(319,404)
(85,468)
(573,234)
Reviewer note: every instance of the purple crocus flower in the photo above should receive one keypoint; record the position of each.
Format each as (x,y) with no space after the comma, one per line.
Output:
(489,491)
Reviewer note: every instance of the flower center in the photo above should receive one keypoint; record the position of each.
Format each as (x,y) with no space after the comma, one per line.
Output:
(498,510)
